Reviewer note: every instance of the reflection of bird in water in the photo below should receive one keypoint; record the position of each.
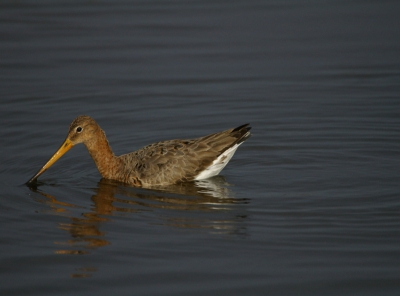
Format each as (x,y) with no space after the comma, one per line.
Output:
(162,163)
(182,205)
(175,202)
(197,195)
(205,204)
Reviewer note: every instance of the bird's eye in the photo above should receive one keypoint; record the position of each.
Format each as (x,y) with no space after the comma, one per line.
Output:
(79,129)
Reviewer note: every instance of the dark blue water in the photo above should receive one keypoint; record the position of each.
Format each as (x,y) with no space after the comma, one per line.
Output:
(309,205)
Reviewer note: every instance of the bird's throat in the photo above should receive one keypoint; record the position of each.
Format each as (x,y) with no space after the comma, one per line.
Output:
(106,161)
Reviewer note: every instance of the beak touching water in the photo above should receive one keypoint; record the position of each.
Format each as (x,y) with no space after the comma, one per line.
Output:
(60,152)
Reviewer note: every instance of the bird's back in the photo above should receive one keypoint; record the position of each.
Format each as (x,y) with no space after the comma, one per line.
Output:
(174,161)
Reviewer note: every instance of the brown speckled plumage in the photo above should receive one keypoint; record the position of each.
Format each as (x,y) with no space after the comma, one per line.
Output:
(162,163)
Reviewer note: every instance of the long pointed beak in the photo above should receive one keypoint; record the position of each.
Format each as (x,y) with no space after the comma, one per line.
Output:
(60,152)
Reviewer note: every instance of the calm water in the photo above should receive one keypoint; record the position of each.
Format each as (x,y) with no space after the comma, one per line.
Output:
(310,205)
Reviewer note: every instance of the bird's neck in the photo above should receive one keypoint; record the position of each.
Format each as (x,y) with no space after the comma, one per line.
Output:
(107,163)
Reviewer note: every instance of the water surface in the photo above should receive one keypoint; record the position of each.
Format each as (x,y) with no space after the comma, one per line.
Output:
(309,205)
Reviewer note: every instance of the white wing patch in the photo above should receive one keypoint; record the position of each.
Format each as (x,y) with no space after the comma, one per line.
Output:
(216,167)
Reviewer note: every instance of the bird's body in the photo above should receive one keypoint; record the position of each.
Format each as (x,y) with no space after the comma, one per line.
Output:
(162,163)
